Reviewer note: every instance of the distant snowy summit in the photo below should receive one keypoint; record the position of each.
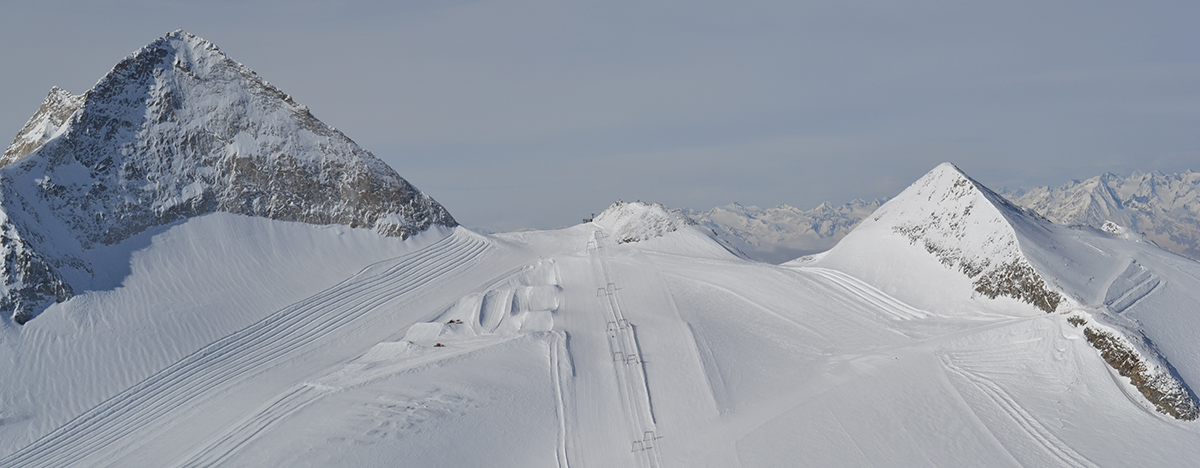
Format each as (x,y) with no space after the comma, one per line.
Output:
(782,233)
(946,241)
(1164,207)
(639,221)
(177,130)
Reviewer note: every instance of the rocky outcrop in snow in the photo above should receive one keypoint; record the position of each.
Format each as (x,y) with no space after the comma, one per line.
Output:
(1165,207)
(1128,353)
(782,233)
(44,125)
(176,130)
(1008,251)
(966,226)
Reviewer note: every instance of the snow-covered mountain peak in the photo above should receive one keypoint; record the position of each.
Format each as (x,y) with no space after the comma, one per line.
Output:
(968,228)
(639,221)
(985,245)
(1165,207)
(176,130)
(45,124)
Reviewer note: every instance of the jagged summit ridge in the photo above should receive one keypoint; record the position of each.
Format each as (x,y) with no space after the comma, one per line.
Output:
(178,129)
(50,117)
(1165,207)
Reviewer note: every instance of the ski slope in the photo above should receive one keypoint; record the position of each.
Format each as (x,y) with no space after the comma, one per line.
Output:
(567,348)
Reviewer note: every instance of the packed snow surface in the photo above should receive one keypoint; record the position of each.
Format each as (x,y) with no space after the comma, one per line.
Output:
(569,348)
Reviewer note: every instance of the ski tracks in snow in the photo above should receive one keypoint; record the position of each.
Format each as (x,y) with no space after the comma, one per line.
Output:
(120,423)
(1133,284)
(628,365)
(894,308)
(559,368)
(1055,447)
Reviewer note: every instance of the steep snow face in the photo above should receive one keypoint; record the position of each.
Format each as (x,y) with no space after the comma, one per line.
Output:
(966,227)
(1166,207)
(640,221)
(1006,252)
(173,131)
(782,233)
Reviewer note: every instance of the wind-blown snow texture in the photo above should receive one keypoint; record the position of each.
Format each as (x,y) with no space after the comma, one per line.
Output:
(1165,207)
(174,131)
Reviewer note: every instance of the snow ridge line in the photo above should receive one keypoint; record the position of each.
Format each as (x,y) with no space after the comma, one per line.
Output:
(1030,425)
(236,357)
(891,306)
(622,341)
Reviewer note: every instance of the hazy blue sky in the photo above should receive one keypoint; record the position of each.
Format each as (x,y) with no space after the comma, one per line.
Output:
(536,113)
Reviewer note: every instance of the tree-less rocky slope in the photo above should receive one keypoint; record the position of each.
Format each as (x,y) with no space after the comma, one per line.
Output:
(173,131)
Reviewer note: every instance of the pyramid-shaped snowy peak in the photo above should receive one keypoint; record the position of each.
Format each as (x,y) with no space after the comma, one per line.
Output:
(966,227)
(947,239)
(175,130)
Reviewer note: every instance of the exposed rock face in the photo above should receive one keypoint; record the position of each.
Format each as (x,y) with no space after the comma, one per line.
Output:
(1165,207)
(964,225)
(173,131)
(997,244)
(1151,377)
(44,125)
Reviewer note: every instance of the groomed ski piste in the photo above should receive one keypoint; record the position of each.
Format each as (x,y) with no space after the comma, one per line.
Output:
(339,347)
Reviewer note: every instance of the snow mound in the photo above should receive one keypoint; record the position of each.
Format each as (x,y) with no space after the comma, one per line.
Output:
(173,131)
(640,221)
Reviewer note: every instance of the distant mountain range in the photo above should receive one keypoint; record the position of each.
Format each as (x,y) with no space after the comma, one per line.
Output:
(1163,207)
(782,233)
(198,273)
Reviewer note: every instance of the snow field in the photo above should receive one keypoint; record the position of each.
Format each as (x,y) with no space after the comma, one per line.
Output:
(239,356)
(164,295)
(564,348)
